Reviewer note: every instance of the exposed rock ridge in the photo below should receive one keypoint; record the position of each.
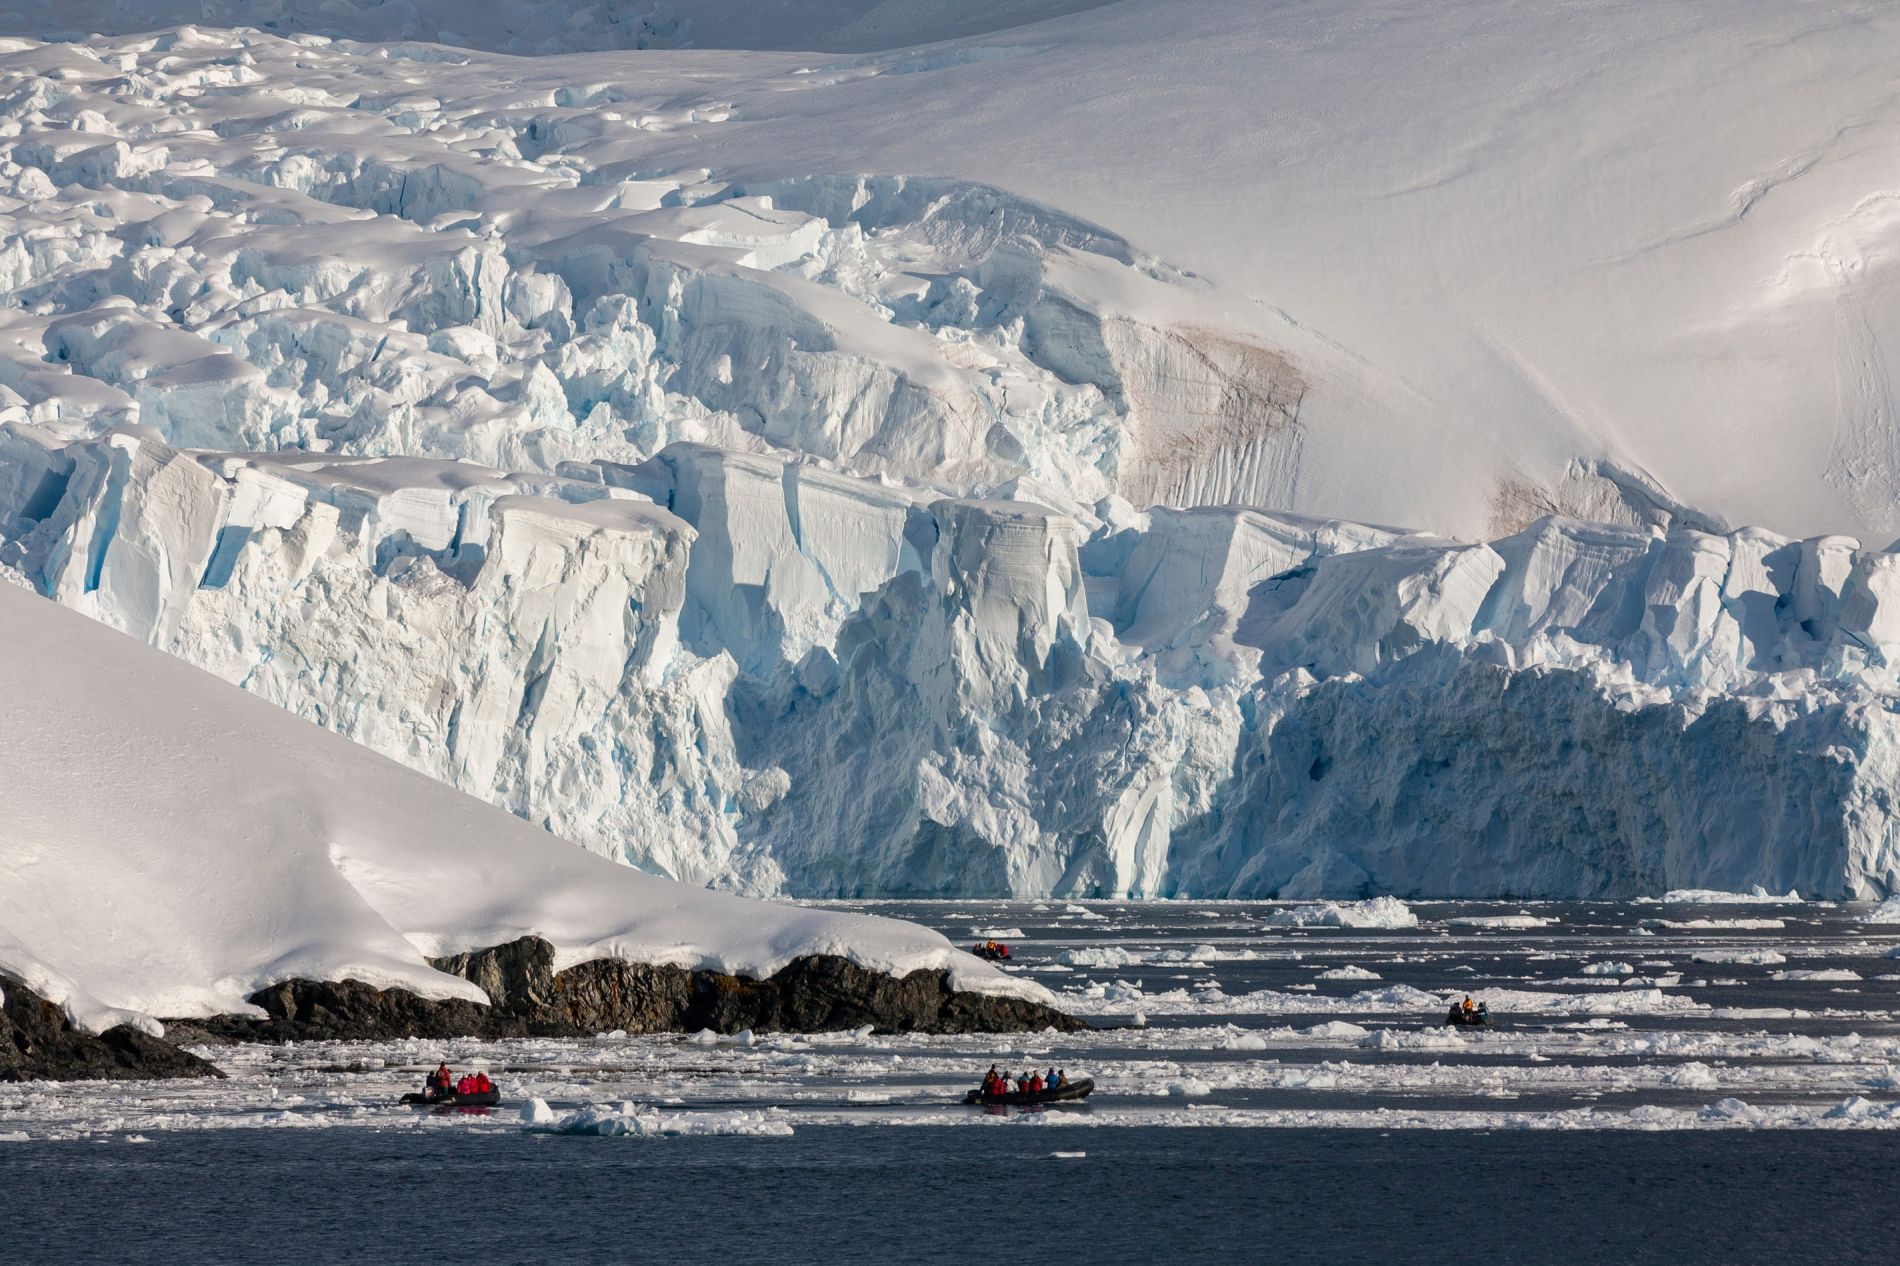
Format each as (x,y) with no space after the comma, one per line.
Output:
(814,993)
(39,1043)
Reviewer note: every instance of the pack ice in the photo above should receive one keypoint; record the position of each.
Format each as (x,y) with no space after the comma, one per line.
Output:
(568,430)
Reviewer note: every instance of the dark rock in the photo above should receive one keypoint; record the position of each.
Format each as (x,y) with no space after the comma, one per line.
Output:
(813,994)
(39,1043)
(518,975)
(821,992)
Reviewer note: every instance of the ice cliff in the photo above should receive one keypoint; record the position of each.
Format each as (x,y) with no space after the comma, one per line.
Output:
(755,671)
(852,534)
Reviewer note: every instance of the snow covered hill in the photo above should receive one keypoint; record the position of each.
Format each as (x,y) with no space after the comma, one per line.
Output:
(562,26)
(170,846)
(1449,264)
(956,468)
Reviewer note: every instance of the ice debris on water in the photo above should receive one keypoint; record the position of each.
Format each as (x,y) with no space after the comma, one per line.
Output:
(628,1119)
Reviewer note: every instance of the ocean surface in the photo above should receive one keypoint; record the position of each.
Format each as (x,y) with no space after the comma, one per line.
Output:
(1685,1082)
(836,1193)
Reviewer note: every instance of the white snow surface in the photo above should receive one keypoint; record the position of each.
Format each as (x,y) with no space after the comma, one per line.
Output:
(171,845)
(959,468)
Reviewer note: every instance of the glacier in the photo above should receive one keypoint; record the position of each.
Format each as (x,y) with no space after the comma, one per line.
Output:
(756,672)
(565,430)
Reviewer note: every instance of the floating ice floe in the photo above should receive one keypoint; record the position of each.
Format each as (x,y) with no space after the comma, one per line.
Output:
(628,1119)
(1756,895)
(1720,925)
(1431,1039)
(1377,912)
(1501,921)
(1101,956)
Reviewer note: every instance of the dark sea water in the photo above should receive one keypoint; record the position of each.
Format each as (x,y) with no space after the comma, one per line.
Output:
(924,1194)
(1670,1083)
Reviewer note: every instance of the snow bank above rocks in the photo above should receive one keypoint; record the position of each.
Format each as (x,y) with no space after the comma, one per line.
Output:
(171,845)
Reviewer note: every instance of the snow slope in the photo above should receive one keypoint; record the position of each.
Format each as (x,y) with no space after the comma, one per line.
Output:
(171,845)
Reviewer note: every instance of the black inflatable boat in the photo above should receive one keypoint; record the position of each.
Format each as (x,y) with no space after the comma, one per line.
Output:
(1067,1092)
(450,1099)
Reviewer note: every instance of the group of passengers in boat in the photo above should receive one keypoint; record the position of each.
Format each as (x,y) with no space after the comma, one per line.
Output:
(443,1083)
(1467,1013)
(991,949)
(996,1084)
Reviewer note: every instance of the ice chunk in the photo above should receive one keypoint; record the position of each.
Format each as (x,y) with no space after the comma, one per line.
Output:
(1762,957)
(1377,912)
(1887,911)
(1757,895)
(1435,1039)
(1102,956)
(1501,921)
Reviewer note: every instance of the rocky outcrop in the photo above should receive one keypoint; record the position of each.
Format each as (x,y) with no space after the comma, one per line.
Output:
(816,993)
(39,1043)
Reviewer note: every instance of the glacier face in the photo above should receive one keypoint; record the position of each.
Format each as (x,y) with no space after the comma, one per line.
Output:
(782,534)
(754,671)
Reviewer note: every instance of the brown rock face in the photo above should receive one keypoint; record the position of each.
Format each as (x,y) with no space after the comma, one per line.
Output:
(38,1043)
(813,994)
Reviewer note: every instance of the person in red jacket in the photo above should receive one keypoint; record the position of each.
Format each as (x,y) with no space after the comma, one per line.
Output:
(482,1084)
(1035,1083)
